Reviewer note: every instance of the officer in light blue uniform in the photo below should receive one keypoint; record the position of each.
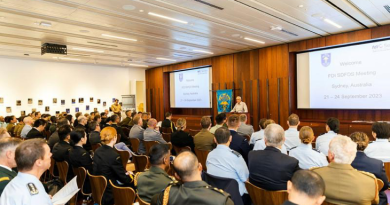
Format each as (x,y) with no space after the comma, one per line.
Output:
(305,154)
(25,189)
(225,162)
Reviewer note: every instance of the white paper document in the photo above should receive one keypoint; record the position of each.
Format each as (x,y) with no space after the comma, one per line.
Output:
(66,193)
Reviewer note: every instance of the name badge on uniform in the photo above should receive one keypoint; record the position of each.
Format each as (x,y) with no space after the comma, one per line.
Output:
(32,188)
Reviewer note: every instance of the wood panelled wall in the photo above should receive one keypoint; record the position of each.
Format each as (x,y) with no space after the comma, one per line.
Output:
(250,73)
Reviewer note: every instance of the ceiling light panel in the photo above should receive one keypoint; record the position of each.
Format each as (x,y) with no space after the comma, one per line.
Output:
(118,37)
(168,18)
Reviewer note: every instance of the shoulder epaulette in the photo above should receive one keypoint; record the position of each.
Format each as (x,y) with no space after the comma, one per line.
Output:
(316,150)
(84,154)
(220,191)
(368,174)
(136,178)
(4,179)
(236,153)
(118,158)
(293,148)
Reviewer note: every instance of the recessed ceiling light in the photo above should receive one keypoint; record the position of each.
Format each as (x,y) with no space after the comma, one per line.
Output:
(300,6)
(202,51)
(118,37)
(128,7)
(254,40)
(332,23)
(165,59)
(166,17)
(88,50)
(46,24)
(70,59)
(141,10)
(138,65)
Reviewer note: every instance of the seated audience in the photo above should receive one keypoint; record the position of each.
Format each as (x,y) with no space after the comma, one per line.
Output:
(53,126)
(245,129)
(94,136)
(307,156)
(33,159)
(144,117)
(36,131)
(2,122)
(115,120)
(4,133)
(305,188)
(70,119)
(11,124)
(344,184)
(167,122)
(238,143)
(204,140)
(260,144)
(62,148)
(152,132)
(332,127)
(19,126)
(227,163)
(192,190)
(76,121)
(380,148)
(28,123)
(78,156)
(7,160)
(125,122)
(138,132)
(259,134)
(108,163)
(220,120)
(152,181)
(270,169)
(367,164)
(82,122)
(180,138)
(54,138)
(292,134)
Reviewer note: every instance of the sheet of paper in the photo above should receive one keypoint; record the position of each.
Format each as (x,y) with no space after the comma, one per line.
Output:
(66,193)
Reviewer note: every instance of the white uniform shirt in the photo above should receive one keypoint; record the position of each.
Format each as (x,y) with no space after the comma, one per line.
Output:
(379,149)
(260,145)
(322,142)
(256,136)
(308,157)
(240,107)
(25,189)
(292,138)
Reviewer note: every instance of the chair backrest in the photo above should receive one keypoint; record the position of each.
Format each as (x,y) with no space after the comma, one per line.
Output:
(228,185)
(148,145)
(166,129)
(202,157)
(387,168)
(125,155)
(118,138)
(63,168)
(261,196)
(167,136)
(134,144)
(122,195)
(141,162)
(96,146)
(140,201)
(194,132)
(178,150)
(81,174)
(98,186)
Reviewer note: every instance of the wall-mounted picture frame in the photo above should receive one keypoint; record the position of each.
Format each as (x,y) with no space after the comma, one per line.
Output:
(30,101)
(54,100)
(18,103)
(87,107)
(91,99)
(104,104)
(77,109)
(40,102)
(34,110)
(57,112)
(8,109)
(73,101)
(81,100)
(23,113)
(67,110)
(1,100)
(95,109)
(62,102)
(47,109)
(98,101)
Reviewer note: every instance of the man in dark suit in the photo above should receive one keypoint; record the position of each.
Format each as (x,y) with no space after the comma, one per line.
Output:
(269,168)
(239,143)
(367,164)
(115,120)
(36,131)
(62,148)
(167,122)
(82,122)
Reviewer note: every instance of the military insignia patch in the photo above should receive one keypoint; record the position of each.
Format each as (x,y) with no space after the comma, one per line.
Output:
(32,188)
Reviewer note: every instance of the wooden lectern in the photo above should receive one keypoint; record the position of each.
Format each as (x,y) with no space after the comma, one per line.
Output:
(239,113)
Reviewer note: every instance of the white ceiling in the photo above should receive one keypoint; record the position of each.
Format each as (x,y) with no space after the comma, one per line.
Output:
(216,26)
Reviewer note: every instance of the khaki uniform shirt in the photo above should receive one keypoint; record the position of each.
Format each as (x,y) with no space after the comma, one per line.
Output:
(116,108)
(204,140)
(348,186)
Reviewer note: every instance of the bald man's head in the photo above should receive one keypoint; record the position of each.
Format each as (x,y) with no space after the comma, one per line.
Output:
(187,166)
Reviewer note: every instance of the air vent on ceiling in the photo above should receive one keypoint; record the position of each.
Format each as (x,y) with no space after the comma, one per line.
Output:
(387,7)
(151,62)
(102,44)
(209,4)
(288,32)
(180,55)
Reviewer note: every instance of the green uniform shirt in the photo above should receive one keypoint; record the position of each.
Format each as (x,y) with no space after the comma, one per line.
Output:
(152,182)
(5,177)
